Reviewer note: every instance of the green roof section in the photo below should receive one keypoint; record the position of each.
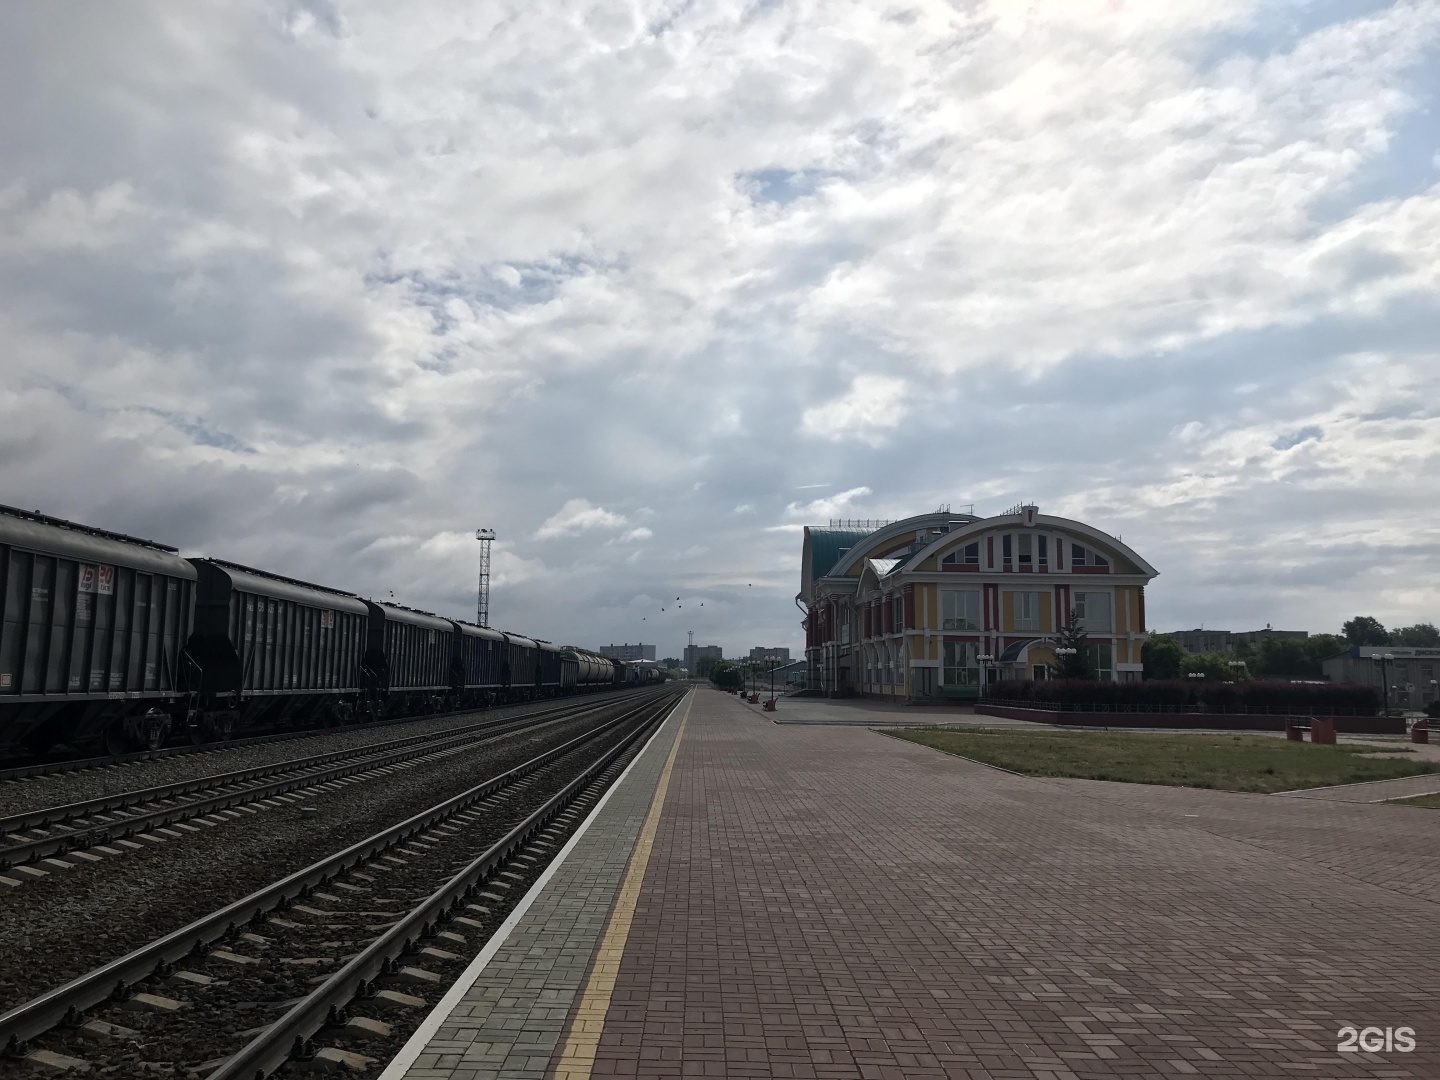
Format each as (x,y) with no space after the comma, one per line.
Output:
(823,548)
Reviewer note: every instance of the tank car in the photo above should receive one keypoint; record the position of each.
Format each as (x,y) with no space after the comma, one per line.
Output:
(592,671)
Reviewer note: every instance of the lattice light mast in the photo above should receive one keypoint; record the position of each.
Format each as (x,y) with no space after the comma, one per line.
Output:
(482,594)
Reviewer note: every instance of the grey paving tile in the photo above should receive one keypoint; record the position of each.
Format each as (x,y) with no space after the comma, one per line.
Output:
(829,902)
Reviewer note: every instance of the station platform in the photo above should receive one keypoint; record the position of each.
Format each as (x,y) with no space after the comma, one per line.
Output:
(757,899)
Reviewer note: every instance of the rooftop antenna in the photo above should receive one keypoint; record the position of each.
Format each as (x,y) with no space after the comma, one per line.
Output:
(482,593)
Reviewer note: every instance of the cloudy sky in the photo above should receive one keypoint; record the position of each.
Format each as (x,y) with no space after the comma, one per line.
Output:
(646,286)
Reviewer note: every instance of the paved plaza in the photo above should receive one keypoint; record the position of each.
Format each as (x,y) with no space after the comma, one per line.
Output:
(833,902)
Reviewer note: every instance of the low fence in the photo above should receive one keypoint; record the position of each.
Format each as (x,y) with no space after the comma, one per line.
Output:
(1154,717)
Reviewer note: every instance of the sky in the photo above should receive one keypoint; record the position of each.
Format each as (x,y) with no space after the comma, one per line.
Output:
(646,287)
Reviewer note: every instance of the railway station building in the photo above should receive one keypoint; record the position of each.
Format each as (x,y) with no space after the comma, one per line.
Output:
(935,606)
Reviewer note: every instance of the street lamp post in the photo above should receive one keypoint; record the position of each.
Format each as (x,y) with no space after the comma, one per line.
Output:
(985,659)
(1063,652)
(1385,659)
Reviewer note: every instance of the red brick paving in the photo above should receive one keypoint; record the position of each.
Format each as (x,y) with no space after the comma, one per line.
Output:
(829,902)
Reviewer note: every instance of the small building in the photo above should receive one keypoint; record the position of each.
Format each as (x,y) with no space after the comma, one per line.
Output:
(1411,674)
(763,655)
(793,674)
(1204,641)
(937,605)
(629,653)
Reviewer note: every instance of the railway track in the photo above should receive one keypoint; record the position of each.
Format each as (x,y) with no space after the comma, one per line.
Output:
(40,769)
(335,962)
(32,839)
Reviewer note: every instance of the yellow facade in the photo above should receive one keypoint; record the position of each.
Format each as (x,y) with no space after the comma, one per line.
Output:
(1016,579)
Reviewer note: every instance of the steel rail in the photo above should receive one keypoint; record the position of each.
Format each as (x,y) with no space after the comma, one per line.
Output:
(290,1035)
(283,778)
(47,817)
(57,768)
(53,1007)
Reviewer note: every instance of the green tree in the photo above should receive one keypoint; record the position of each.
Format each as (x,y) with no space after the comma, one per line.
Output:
(1365,630)
(1322,647)
(1284,658)
(1215,666)
(1163,657)
(1079,664)
(726,676)
(1420,636)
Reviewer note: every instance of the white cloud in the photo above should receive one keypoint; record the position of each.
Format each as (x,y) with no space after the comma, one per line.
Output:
(369,274)
(873,406)
(578,516)
(828,507)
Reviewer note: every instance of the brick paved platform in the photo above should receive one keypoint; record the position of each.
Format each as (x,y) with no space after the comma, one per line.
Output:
(832,902)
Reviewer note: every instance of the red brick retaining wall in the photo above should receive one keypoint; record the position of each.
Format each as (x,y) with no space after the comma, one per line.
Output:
(1345,725)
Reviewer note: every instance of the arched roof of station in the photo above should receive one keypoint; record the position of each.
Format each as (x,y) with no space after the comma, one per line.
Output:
(1102,541)
(882,542)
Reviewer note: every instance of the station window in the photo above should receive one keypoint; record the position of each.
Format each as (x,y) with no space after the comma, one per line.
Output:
(1027,543)
(1102,660)
(898,620)
(1093,610)
(1006,547)
(1044,542)
(962,666)
(960,609)
(972,554)
(1081,556)
(1027,611)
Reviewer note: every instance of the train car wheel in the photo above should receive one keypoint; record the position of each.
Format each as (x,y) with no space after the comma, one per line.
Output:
(116,742)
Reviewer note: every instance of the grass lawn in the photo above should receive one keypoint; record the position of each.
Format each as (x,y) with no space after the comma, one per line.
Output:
(1431,802)
(1232,762)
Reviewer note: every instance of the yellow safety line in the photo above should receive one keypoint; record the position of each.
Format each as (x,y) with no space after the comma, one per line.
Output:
(578,1056)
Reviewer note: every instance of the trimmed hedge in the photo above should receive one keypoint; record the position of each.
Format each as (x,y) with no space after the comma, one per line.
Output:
(1343,699)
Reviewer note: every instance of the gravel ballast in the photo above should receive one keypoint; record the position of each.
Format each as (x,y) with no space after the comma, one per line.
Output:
(272,964)
(58,927)
(40,792)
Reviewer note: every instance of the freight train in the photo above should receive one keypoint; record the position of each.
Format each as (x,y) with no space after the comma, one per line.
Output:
(109,640)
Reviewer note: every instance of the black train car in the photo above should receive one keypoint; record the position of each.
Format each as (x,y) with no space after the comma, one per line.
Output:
(522,667)
(552,669)
(409,660)
(92,635)
(478,669)
(271,651)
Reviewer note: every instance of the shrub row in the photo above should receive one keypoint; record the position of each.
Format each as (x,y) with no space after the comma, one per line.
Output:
(1344,699)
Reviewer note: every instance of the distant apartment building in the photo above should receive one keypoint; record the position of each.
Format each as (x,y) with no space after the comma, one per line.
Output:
(700,658)
(1213,641)
(761,654)
(627,652)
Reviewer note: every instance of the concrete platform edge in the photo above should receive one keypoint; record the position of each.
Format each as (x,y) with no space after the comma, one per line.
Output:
(415,1045)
